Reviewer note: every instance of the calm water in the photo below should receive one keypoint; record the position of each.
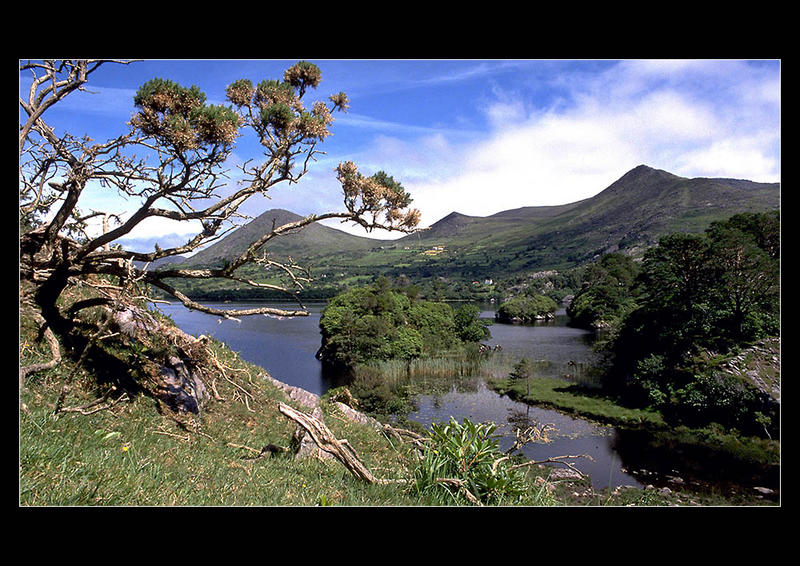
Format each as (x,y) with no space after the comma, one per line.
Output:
(558,344)
(286,349)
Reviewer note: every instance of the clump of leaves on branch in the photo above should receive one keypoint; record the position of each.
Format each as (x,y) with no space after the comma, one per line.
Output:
(171,162)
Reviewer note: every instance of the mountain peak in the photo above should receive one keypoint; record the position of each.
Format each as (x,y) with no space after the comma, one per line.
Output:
(641,177)
(640,170)
(453,216)
(279,213)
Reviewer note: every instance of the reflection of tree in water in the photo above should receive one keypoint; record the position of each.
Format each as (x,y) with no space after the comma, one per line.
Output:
(664,460)
(583,374)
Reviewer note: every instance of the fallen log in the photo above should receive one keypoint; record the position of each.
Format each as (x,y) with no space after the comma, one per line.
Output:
(325,439)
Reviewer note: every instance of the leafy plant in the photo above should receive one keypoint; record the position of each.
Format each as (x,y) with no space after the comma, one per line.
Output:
(463,462)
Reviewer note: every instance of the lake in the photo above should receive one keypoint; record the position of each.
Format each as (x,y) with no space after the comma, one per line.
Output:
(286,349)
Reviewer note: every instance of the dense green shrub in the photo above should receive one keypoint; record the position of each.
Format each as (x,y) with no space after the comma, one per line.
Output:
(467,453)
(378,322)
(469,327)
(700,292)
(527,309)
(607,292)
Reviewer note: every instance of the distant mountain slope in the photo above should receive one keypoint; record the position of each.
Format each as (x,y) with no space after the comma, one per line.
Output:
(314,239)
(632,212)
(629,215)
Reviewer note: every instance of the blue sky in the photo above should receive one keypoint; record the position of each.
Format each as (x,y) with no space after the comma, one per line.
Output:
(481,136)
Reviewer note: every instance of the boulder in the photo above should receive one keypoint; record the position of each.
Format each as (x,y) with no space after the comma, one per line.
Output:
(180,388)
(305,398)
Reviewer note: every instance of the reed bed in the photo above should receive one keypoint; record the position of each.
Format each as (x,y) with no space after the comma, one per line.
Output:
(495,365)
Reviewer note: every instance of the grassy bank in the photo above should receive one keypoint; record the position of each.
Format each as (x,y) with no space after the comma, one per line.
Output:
(590,404)
(137,454)
(129,449)
(570,398)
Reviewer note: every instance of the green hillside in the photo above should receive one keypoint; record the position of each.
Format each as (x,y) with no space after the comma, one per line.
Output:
(627,216)
(315,239)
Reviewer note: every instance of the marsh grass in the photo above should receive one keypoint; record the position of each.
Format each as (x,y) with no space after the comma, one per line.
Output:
(568,397)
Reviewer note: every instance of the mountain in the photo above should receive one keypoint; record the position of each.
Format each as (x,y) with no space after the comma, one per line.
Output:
(629,215)
(314,239)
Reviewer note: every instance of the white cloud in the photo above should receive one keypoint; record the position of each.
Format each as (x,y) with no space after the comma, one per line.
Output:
(735,159)
(639,113)
(690,117)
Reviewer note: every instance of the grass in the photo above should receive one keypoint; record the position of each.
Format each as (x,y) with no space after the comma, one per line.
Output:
(571,398)
(139,453)
(132,455)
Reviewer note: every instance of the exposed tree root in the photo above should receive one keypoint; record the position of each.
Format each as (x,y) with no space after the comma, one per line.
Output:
(55,351)
(95,406)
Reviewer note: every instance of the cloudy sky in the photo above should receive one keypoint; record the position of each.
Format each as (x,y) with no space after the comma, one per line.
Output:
(481,136)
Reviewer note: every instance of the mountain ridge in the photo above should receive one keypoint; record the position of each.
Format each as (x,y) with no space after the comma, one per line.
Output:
(628,215)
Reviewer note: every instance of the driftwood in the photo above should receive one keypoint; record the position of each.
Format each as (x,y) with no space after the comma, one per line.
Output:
(325,439)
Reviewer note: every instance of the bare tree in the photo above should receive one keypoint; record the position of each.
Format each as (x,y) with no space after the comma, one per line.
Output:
(171,162)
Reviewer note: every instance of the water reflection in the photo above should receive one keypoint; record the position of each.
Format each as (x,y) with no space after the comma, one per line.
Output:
(571,436)
(286,349)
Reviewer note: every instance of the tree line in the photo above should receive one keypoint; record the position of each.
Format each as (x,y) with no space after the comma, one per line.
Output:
(694,299)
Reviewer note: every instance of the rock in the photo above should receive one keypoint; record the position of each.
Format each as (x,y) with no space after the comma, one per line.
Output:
(305,398)
(356,416)
(564,474)
(759,366)
(180,388)
(131,321)
(178,383)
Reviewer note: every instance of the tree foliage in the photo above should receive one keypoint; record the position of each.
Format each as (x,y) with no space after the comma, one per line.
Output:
(527,308)
(171,164)
(380,322)
(701,293)
(607,292)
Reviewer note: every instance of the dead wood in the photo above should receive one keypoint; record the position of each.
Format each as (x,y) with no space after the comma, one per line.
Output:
(555,460)
(460,485)
(55,352)
(96,406)
(326,441)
